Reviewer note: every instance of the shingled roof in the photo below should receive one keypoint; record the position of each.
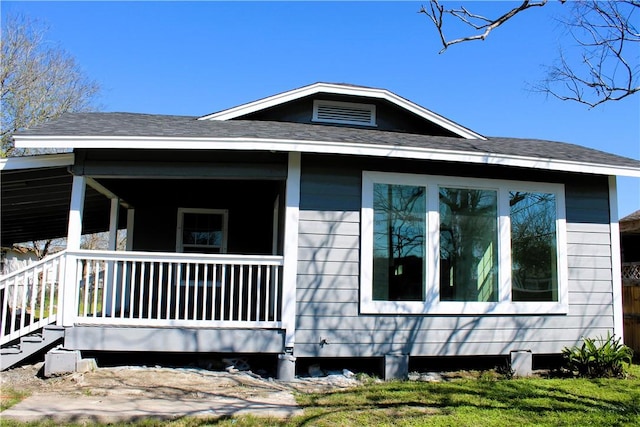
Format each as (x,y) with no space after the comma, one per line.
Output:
(631,223)
(114,125)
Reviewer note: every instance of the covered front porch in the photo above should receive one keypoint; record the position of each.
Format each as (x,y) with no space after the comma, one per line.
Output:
(205,255)
(143,289)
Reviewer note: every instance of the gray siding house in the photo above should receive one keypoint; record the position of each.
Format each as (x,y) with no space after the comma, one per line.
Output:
(329,221)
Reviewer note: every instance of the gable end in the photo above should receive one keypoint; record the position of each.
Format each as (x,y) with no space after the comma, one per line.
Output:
(250,110)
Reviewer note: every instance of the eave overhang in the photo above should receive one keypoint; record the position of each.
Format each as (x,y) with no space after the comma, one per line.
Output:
(35,162)
(324,147)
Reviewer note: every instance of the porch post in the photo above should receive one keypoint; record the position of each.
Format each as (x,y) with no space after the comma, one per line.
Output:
(290,268)
(108,283)
(113,224)
(69,286)
(287,361)
(130,218)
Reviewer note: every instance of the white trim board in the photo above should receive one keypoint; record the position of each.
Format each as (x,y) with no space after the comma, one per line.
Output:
(616,261)
(337,89)
(40,161)
(324,147)
(290,250)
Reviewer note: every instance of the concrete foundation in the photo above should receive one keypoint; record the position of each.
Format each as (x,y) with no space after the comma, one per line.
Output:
(522,363)
(286,367)
(60,362)
(396,366)
(86,365)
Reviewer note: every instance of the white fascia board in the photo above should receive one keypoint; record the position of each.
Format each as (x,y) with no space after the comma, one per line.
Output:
(34,162)
(324,147)
(292,95)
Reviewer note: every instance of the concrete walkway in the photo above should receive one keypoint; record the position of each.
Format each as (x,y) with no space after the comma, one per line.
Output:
(118,408)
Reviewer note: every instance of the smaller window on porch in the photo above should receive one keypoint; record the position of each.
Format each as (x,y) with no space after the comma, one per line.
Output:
(202,231)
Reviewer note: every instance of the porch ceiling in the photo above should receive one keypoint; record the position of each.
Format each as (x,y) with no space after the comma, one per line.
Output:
(35,205)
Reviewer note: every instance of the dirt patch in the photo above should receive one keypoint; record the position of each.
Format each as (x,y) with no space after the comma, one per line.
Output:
(160,382)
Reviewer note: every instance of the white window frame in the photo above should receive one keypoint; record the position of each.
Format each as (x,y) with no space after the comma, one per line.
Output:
(225,222)
(432,303)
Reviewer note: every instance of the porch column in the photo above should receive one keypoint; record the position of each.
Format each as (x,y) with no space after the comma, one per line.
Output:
(113,224)
(130,218)
(74,233)
(108,283)
(290,268)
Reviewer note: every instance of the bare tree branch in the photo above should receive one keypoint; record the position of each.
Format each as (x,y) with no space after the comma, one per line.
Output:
(607,67)
(42,248)
(38,81)
(436,13)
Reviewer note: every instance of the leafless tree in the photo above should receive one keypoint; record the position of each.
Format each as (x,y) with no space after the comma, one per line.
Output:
(96,241)
(39,80)
(42,248)
(100,241)
(608,65)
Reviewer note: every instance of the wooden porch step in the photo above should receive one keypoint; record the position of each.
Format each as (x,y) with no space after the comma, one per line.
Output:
(15,349)
(30,345)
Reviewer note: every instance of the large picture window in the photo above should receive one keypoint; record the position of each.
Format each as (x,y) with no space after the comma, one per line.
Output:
(445,245)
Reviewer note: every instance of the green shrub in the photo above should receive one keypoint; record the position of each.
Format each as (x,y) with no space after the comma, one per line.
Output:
(599,357)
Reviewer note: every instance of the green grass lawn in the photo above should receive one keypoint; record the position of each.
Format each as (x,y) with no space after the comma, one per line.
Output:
(9,396)
(480,400)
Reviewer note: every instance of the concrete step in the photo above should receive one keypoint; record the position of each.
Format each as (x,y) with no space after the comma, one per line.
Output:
(30,345)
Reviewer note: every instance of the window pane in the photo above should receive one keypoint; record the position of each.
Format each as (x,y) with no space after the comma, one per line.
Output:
(468,245)
(201,250)
(534,273)
(202,229)
(398,242)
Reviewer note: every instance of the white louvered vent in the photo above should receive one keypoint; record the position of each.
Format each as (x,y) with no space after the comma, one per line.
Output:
(348,113)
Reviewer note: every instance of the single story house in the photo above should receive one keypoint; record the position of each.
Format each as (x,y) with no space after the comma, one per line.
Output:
(328,221)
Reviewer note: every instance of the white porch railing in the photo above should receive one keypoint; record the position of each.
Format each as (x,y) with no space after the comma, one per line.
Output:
(30,297)
(173,290)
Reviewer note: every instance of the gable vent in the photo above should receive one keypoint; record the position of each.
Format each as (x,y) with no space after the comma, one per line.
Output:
(344,112)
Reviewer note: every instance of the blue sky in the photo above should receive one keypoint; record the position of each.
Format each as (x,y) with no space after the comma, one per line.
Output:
(195,58)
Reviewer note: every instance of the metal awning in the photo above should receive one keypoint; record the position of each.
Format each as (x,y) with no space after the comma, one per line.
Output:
(35,199)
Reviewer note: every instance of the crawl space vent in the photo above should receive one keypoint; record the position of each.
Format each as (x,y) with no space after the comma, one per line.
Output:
(344,112)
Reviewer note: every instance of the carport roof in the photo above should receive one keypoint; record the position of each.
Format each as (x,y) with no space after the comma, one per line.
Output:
(36,195)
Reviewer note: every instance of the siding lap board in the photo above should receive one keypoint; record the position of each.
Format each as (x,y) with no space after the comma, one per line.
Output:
(328,280)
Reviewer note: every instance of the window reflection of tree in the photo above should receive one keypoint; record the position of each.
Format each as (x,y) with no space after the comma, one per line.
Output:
(468,245)
(533,246)
(399,236)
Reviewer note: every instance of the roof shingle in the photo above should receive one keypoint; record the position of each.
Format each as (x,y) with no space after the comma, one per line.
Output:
(151,125)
